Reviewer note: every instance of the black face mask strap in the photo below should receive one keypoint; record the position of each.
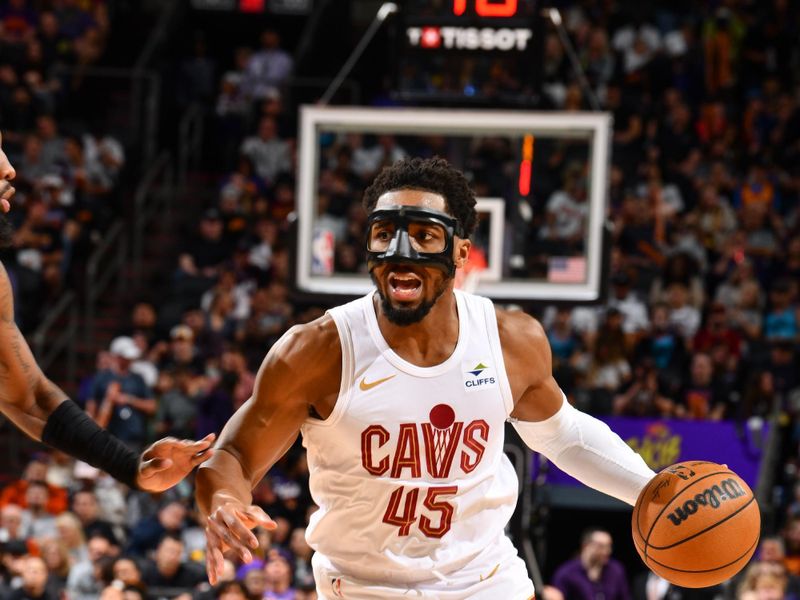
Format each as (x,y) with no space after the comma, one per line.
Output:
(401,245)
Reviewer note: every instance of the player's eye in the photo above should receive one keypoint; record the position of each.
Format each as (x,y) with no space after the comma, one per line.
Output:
(428,238)
(379,236)
(385,232)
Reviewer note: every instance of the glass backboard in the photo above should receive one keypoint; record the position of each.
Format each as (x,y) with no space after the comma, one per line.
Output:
(541,180)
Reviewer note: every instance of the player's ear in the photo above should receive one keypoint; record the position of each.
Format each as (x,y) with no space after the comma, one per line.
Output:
(461,252)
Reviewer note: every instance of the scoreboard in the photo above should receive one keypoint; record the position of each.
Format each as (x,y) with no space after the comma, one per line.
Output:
(481,9)
(468,50)
(488,8)
(503,25)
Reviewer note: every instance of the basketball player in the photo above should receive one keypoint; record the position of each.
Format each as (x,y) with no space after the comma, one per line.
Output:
(401,397)
(38,407)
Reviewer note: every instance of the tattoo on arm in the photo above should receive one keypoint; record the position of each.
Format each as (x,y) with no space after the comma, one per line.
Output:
(18,359)
(17,364)
(24,359)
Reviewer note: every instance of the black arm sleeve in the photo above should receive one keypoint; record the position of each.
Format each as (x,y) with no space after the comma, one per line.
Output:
(71,430)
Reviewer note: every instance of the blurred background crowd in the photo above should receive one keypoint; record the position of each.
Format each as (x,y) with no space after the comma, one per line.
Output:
(701,318)
(67,170)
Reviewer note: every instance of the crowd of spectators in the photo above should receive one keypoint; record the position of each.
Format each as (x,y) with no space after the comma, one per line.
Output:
(70,531)
(701,319)
(594,572)
(66,175)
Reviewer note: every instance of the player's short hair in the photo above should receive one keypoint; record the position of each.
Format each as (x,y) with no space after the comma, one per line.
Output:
(434,175)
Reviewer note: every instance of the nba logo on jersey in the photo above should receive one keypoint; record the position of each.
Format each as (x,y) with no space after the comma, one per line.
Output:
(479,376)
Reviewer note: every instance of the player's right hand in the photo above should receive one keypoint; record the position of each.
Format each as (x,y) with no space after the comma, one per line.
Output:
(229,527)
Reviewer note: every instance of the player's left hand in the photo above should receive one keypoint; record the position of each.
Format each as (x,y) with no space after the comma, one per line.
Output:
(168,461)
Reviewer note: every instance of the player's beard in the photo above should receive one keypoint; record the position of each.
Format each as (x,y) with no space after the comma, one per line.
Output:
(404,316)
(6,231)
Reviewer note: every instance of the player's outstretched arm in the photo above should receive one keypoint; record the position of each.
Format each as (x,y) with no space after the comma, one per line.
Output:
(577,443)
(38,407)
(303,367)
(44,412)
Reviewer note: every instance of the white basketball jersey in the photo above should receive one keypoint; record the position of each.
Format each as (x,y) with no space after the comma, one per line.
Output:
(409,471)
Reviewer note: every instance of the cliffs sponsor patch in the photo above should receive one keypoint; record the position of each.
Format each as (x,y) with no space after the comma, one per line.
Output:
(479,377)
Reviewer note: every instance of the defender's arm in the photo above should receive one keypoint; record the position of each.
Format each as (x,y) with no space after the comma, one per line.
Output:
(38,407)
(26,395)
(45,413)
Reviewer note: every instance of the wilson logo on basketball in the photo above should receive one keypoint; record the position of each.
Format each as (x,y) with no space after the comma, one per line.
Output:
(711,497)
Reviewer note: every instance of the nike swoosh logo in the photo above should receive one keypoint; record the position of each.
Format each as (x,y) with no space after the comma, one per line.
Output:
(497,566)
(364,386)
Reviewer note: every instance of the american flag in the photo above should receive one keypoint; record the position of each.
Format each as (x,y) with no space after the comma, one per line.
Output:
(566,269)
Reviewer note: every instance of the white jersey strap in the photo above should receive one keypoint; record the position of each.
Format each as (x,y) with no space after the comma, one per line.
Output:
(493,333)
(348,368)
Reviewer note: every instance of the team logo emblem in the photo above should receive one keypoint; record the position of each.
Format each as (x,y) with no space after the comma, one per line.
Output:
(479,376)
(440,432)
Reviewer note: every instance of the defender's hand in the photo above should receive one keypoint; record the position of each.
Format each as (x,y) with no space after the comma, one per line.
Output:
(168,461)
(229,527)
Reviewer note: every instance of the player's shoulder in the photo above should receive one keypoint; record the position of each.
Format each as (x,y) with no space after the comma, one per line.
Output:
(311,345)
(303,366)
(517,326)
(521,334)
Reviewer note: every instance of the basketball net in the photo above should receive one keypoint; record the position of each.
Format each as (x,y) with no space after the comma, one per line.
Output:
(441,441)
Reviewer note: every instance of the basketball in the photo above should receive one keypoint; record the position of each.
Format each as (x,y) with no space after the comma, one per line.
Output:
(696,524)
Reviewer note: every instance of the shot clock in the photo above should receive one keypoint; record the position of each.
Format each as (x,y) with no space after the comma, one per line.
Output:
(468,51)
(488,8)
(471,8)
